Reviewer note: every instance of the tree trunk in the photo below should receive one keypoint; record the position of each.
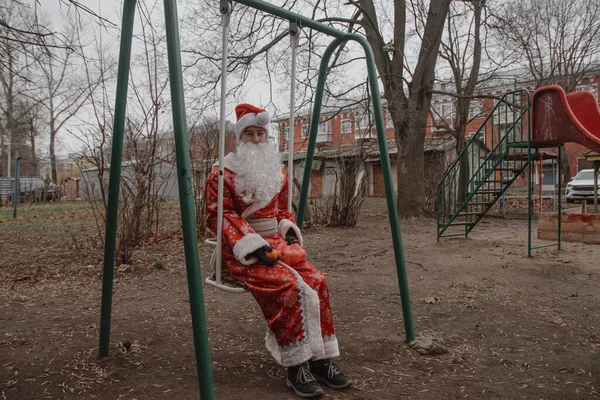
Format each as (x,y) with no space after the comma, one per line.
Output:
(52,155)
(411,167)
(52,140)
(565,166)
(463,173)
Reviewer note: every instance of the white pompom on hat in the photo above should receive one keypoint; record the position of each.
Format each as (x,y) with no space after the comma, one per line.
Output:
(249,115)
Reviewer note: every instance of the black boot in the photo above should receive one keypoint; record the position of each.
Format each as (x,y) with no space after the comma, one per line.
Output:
(328,373)
(303,382)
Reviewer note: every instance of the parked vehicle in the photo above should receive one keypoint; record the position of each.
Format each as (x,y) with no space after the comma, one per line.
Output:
(581,187)
(31,193)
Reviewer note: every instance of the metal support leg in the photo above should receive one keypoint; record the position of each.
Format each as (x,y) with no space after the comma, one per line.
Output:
(186,203)
(114,182)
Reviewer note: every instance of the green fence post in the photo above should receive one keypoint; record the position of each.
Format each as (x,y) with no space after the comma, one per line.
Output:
(186,203)
(115,175)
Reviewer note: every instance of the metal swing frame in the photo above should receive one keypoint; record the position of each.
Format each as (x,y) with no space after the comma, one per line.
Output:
(218,241)
(186,198)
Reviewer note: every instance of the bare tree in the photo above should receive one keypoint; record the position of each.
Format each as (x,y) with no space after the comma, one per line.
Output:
(60,92)
(15,77)
(558,40)
(256,38)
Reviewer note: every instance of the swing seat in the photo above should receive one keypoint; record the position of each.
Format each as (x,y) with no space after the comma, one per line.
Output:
(227,282)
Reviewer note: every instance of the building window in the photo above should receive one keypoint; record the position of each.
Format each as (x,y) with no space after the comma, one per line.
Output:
(324,128)
(443,110)
(362,121)
(505,113)
(592,87)
(388,121)
(476,109)
(480,136)
(305,130)
(286,133)
(346,126)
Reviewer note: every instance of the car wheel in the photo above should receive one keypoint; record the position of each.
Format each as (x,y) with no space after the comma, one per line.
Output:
(570,201)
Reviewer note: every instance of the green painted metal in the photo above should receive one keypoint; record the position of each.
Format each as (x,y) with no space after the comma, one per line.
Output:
(542,246)
(314,127)
(115,175)
(483,159)
(529,202)
(560,150)
(386,168)
(596,169)
(186,203)
(17,192)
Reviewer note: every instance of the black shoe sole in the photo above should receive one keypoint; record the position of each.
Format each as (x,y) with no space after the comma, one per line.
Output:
(331,385)
(316,393)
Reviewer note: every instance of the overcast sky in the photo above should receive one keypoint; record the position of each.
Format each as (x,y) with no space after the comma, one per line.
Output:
(112,11)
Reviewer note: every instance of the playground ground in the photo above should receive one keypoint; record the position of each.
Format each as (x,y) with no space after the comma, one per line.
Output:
(513,327)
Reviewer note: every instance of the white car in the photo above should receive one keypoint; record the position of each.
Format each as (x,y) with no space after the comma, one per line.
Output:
(581,187)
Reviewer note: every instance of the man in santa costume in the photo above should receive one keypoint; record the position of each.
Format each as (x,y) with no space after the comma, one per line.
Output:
(294,298)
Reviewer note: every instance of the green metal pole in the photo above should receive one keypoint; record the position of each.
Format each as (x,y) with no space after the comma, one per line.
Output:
(559,198)
(389,192)
(186,203)
(385,164)
(529,205)
(314,126)
(115,175)
(17,192)
(596,167)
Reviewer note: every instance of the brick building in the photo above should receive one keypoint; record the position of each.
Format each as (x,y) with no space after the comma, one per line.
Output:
(352,134)
(342,133)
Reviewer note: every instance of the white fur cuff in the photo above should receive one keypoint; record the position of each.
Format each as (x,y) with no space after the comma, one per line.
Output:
(247,245)
(285,225)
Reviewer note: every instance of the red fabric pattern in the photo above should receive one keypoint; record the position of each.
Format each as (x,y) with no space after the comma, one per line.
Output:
(300,318)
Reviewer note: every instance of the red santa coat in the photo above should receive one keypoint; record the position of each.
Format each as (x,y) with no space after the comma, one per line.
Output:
(294,298)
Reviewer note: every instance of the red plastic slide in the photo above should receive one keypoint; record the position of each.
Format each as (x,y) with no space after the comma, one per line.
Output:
(557,118)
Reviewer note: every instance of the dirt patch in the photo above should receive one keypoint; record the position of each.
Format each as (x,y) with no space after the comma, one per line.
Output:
(513,327)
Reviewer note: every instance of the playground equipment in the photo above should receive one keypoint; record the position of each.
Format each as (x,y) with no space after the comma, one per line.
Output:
(218,241)
(185,179)
(504,146)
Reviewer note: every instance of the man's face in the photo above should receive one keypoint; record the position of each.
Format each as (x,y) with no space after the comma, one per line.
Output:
(255,135)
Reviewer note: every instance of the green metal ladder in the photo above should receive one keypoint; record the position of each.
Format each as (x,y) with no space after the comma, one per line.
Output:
(493,159)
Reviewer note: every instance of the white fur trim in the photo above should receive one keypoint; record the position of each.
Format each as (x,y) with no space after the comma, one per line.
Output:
(229,162)
(254,207)
(261,119)
(285,225)
(331,349)
(312,345)
(247,245)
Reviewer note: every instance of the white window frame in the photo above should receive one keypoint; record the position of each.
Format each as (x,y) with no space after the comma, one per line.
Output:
(481,136)
(324,128)
(476,105)
(510,114)
(286,133)
(441,110)
(305,130)
(362,121)
(349,122)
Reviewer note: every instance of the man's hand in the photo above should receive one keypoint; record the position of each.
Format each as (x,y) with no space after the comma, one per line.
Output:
(290,237)
(261,254)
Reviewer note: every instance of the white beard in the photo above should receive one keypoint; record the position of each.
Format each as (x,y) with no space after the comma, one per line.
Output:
(259,177)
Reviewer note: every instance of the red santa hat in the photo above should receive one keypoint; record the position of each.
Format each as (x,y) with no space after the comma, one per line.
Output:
(249,115)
